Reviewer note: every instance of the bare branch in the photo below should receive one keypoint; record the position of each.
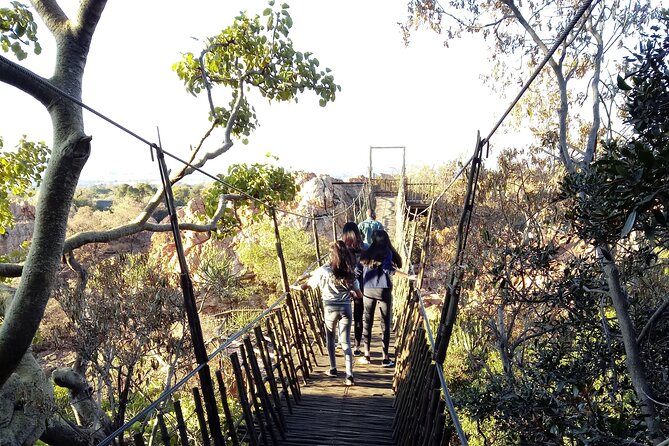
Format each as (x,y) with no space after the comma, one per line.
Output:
(84,238)
(10,269)
(526,336)
(656,315)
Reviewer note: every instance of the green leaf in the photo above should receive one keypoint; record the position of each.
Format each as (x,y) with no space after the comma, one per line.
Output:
(629,223)
(622,84)
(267,11)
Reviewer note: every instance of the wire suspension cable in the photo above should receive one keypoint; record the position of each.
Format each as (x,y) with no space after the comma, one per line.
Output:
(66,95)
(569,27)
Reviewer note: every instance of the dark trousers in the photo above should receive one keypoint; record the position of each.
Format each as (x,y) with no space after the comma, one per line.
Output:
(381,297)
(358,310)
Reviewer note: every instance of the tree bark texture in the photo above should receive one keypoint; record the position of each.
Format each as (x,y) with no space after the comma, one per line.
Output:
(71,148)
(633,358)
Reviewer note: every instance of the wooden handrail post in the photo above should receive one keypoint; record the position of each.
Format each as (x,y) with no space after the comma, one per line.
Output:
(316,241)
(289,297)
(190,307)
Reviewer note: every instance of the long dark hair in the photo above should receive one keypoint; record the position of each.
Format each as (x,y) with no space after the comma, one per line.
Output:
(341,261)
(350,235)
(378,251)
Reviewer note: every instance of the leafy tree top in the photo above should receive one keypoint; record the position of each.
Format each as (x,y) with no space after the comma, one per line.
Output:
(625,189)
(18,30)
(254,52)
(261,185)
(20,171)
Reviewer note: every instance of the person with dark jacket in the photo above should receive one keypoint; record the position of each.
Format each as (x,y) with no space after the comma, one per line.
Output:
(379,263)
(353,240)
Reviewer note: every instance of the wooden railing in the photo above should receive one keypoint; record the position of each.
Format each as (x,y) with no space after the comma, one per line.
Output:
(425,413)
(260,370)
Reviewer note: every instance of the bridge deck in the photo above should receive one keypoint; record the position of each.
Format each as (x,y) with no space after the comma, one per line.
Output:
(331,413)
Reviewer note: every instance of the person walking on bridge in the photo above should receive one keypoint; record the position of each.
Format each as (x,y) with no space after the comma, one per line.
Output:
(350,235)
(338,285)
(379,263)
(368,226)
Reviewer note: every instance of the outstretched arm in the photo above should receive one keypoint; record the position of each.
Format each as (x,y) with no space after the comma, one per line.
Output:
(408,276)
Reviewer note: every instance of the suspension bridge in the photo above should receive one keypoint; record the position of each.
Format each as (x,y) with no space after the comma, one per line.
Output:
(266,384)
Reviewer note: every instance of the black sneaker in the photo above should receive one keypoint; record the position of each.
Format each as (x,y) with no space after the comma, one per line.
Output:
(349,381)
(387,363)
(332,373)
(357,352)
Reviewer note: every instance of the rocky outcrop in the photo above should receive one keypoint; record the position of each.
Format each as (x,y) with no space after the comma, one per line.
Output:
(24,225)
(321,196)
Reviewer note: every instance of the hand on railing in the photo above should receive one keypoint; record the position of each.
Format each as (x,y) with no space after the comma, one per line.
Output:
(411,277)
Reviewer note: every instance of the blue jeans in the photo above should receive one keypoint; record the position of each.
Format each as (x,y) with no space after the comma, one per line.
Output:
(339,316)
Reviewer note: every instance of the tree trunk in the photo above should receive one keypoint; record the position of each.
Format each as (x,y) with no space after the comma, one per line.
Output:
(26,403)
(633,358)
(71,148)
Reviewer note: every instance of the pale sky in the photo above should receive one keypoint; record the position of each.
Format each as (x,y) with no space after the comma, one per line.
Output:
(425,97)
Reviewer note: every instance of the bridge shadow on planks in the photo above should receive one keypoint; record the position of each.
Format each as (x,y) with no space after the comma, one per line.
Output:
(330,413)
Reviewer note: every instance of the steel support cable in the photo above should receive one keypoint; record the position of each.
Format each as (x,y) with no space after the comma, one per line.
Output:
(442,379)
(569,27)
(64,94)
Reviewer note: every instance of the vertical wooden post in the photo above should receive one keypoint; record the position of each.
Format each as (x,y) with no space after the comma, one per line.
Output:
(200,416)
(230,422)
(404,162)
(316,241)
(164,434)
(191,308)
(449,311)
(425,247)
(138,439)
(181,424)
(289,299)
(334,226)
(371,187)
(243,400)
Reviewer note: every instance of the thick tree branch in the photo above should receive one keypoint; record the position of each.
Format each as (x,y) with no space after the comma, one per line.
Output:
(62,433)
(51,14)
(596,118)
(87,412)
(25,80)
(11,269)
(84,238)
(26,310)
(88,18)
(633,360)
(562,84)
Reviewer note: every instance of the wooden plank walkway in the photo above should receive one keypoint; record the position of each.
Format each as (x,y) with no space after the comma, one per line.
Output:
(331,413)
